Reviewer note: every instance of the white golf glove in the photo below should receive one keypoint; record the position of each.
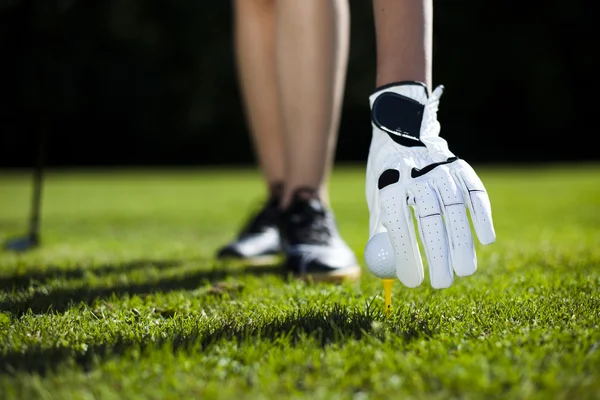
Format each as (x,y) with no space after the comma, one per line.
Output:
(410,166)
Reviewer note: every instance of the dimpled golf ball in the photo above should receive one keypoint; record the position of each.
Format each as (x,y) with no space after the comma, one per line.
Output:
(379,256)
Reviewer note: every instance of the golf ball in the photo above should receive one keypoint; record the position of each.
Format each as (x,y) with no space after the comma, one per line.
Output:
(379,256)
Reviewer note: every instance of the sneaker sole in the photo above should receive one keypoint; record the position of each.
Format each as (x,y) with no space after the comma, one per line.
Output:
(338,276)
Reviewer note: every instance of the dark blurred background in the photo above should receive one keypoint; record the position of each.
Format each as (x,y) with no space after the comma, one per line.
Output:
(123,82)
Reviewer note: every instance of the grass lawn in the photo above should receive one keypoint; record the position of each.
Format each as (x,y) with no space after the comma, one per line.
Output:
(124,300)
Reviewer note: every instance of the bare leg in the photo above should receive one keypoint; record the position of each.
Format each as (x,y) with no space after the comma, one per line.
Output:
(404,40)
(254,22)
(340,69)
(312,53)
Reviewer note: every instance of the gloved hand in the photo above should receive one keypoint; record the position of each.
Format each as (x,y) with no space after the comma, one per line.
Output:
(410,166)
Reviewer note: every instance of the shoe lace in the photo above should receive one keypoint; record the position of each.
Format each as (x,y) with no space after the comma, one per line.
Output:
(311,225)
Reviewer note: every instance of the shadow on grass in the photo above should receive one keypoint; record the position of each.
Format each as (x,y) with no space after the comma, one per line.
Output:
(336,325)
(37,277)
(61,299)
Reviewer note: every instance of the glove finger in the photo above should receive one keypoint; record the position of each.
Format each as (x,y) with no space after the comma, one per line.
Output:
(398,221)
(433,235)
(462,249)
(478,202)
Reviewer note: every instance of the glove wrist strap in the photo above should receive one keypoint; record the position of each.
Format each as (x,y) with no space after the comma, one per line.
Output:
(397,109)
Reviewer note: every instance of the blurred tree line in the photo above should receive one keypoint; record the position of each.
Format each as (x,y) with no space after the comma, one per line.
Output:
(153,82)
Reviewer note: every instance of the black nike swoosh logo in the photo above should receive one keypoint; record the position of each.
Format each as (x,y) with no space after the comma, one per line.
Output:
(416,172)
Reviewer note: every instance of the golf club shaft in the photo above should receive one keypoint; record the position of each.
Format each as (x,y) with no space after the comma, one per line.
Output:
(38,182)
(49,91)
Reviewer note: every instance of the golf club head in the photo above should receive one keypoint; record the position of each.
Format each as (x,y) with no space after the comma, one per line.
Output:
(22,244)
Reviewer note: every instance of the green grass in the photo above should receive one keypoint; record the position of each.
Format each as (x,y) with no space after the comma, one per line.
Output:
(124,299)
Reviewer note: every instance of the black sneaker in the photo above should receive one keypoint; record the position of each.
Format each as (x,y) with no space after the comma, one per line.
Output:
(311,242)
(258,242)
